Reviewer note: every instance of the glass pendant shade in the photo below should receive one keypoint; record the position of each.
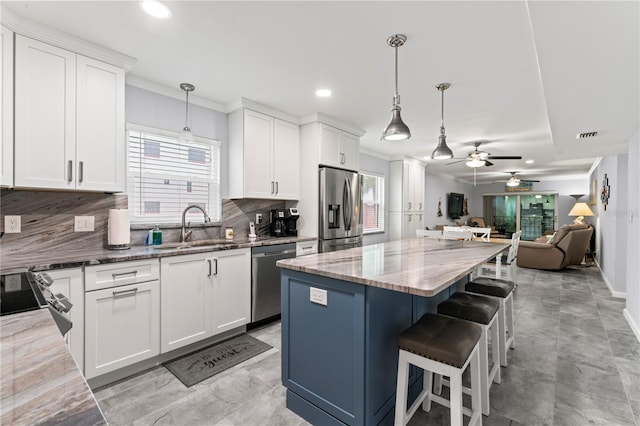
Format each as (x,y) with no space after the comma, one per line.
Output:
(396,130)
(442,151)
(186,134)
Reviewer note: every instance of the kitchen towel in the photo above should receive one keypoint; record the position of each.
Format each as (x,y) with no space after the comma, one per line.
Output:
(118,227)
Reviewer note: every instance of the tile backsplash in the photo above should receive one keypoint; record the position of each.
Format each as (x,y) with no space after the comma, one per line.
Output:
(48,220)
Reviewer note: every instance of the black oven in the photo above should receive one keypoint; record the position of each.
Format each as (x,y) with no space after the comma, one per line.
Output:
(27,291)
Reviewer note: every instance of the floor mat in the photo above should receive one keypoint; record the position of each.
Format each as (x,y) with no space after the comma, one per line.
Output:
(204,363)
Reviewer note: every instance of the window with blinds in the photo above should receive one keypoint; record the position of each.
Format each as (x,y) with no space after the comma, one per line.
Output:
(165,175)
(372,203)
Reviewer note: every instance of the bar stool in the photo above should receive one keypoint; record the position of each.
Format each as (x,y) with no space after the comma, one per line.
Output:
(445,346)
(502,291)
(484,312)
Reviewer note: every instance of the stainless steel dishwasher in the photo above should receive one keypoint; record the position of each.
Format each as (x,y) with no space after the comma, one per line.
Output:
(265,279)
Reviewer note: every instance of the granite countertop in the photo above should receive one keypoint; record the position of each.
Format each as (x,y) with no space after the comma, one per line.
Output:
(420,266)
(38,261)
(41,383)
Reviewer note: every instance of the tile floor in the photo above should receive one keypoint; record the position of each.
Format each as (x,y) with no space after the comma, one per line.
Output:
(576,363)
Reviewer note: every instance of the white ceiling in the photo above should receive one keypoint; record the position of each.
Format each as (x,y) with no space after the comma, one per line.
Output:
(525,76)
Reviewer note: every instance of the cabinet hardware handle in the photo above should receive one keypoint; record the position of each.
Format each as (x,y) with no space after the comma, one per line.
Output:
(120,274)
(409,220)
(307,248)
(70,171)
(420,208)
(209,262)
(81,172)
(276,187)
(409,206)
(215,261)
(272,187)
(122,292)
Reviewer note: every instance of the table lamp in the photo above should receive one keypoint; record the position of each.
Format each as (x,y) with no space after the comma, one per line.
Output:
(580,210)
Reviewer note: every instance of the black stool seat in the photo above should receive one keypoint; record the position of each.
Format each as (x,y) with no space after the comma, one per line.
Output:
(470,307)
(490,287)
(440,338)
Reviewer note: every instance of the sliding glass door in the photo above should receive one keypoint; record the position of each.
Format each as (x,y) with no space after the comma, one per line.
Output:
(532,213)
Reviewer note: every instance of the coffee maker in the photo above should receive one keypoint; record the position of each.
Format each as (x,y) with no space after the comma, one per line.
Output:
(283,222)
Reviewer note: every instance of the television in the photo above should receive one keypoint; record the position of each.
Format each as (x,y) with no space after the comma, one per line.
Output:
(455,205)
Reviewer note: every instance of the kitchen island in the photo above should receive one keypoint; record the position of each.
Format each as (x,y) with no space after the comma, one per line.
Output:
(341,315)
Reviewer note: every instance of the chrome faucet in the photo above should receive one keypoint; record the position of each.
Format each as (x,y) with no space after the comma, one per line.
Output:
(186,231)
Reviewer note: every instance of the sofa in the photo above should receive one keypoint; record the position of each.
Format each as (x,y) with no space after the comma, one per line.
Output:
(566,247)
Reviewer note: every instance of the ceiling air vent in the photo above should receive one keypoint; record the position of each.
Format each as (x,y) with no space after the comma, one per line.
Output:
(586,135)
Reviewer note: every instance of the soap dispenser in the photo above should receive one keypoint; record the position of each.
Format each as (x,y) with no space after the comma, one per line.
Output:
(157,236)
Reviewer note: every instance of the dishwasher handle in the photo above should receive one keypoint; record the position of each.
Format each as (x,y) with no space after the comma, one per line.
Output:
(274,253)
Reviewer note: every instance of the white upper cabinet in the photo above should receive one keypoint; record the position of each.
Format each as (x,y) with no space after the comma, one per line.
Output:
(406,198)
(263,156)
(6,148)
(69,120)
(339,148)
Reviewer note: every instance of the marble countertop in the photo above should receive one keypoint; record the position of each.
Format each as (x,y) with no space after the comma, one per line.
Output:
(38,261)
(420,266)
(41,383)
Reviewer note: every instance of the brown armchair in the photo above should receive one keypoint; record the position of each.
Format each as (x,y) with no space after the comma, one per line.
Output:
(567,247)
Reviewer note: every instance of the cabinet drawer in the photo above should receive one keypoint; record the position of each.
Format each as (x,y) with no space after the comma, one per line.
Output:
(116,274)
(306,247)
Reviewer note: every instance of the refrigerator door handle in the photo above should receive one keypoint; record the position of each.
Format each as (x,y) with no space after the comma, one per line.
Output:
(348,205)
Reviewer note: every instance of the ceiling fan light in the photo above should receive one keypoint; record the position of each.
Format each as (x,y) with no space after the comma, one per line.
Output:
(396,130)
(513,182)
(442,151)
(474,162)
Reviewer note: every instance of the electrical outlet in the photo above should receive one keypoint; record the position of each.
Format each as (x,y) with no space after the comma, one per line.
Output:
(12,224)
(84,223)
(258,218)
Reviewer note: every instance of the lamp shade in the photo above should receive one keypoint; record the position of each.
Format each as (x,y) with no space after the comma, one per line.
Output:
(442,151)
(581,209)
(396,130)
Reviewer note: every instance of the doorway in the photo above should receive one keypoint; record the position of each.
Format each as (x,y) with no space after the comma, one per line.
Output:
(533,213)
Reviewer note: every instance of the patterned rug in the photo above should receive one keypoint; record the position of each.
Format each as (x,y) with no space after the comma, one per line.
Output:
(204,363)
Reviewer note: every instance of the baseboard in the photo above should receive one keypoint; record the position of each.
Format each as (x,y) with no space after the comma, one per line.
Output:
(616,294)
(632,324)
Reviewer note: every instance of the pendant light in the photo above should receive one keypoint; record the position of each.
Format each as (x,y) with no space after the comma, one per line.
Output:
(396,130)
(186,134)
(442,151)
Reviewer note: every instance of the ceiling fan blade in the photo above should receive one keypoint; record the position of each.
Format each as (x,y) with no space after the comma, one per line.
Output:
(488,163)
(457,161)
(504,157)
(528,180)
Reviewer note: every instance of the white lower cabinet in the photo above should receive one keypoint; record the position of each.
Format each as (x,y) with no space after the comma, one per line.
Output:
(70,283)
(203,295)
(122,322)
(231,295)
(186,296)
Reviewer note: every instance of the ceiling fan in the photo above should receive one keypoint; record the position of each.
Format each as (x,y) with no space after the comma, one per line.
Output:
(477,158)
(515,180)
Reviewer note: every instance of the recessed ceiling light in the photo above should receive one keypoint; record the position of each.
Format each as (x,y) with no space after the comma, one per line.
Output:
(323,93)
(156,9)
(529,161)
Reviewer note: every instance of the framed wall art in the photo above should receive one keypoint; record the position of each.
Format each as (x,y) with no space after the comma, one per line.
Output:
(606,192)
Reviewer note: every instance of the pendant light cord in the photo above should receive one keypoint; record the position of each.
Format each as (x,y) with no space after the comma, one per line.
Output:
(186,118)
(396,94)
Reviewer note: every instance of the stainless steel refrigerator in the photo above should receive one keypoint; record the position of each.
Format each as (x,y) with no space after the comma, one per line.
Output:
(340,209)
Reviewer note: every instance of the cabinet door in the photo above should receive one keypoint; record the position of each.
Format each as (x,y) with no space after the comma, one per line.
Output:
(330,150)
(70,283)
(350,145)
(407,187)
(45,101)
(258,139)
(409,225)
(231,298)
(286,161)
(122,327)
(100,145)
(186,299)
(6,150)
(417,178)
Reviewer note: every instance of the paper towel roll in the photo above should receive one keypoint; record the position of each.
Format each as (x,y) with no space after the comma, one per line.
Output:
(118,227)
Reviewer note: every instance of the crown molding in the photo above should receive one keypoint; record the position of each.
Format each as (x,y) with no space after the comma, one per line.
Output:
(171,92)
(27,28)
(375,154)
(261,108)
(323,118)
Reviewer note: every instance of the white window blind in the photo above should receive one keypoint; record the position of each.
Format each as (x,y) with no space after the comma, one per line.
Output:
(372,203)
(166,175)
